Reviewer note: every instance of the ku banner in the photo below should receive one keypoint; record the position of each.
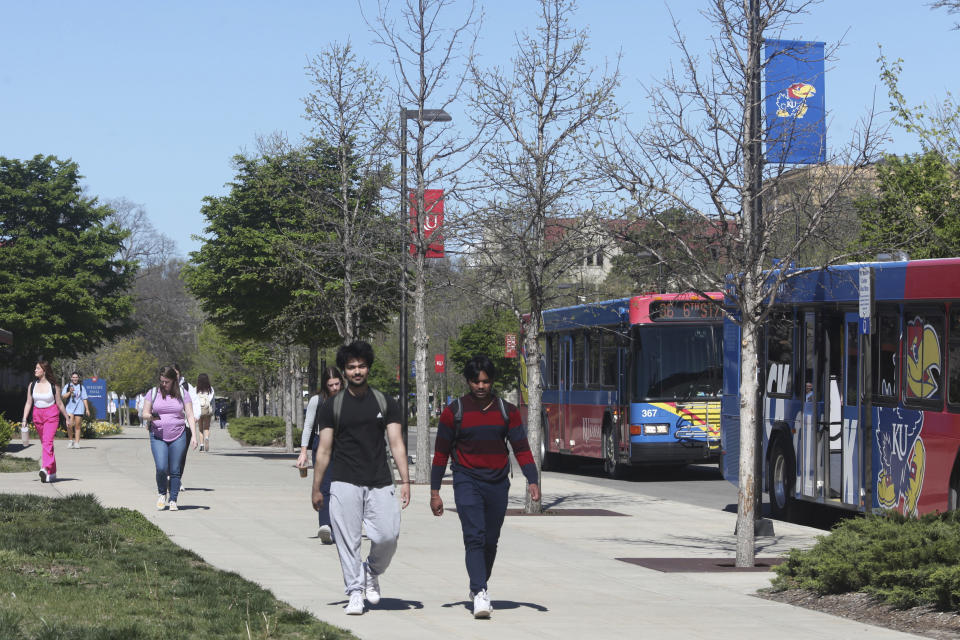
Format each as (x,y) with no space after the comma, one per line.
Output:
(432,221)
(795,105)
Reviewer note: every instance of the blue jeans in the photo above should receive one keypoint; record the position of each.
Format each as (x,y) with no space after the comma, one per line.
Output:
(170,459)
(324,512)
(481,506)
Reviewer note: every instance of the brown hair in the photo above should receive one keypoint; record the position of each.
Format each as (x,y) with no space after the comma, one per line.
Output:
(171,374)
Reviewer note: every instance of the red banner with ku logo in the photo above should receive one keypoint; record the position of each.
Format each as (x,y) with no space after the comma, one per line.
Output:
(432,221)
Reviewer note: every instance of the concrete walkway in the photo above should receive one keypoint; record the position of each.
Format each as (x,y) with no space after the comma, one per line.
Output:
(247,510)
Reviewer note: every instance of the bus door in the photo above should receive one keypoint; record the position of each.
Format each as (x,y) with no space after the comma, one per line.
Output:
(807,443)
(850,441)
(830,447)
(564,385)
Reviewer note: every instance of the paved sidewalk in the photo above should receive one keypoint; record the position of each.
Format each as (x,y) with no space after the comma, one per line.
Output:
(247,510)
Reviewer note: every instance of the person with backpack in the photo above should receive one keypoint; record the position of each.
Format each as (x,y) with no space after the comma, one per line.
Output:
(77,404)
(168,410)
(330,384)
(352,425)
(43,397)
(474,430)
(204,414)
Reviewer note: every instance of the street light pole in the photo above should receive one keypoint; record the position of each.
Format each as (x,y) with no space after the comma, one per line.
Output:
(423,115)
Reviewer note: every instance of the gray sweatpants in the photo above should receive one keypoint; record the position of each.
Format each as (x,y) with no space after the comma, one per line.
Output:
(353,507)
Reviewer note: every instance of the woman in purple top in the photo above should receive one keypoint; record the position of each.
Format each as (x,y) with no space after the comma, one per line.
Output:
(169,411)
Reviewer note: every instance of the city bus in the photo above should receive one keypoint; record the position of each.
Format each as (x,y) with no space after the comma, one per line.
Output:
(861,413)
(633,381)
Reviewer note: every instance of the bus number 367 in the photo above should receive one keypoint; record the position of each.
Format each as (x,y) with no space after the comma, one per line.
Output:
(648,413)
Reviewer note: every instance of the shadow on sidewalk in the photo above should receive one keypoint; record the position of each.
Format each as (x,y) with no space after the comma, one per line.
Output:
(498,605)
(386,604)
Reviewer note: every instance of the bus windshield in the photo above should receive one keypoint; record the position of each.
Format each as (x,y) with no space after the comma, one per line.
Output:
(677,363)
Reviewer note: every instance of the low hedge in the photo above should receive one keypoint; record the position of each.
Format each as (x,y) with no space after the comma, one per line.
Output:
(6,433)
(904,562)
(261,431)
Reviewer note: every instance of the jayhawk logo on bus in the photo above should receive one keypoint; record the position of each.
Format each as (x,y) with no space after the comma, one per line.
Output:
(923,360)
(792,103)
(902,460)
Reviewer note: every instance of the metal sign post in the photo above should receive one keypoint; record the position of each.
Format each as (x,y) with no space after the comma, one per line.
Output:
(865,398)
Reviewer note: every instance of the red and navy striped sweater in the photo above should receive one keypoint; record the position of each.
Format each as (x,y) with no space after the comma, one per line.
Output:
(481,445)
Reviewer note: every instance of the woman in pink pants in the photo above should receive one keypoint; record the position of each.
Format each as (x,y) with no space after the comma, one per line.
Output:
(44,397)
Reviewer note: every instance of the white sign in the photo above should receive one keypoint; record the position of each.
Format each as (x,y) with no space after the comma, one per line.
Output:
(865,294)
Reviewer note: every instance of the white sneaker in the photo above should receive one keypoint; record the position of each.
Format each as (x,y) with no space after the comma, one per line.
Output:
(371,586)
(43,475)
(51,477)
(173,506)
(161,502)
(355,606)
(325,534)
(481,605)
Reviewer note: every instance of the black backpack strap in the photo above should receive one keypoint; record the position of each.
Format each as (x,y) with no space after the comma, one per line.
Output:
(503,412)
(337,408)
(457,422)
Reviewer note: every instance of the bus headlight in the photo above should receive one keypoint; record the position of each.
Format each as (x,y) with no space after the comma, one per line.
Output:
(656,429)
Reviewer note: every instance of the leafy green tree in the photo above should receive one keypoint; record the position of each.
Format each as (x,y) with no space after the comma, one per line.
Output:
(916,208)
(486,337)
(63,290)
(128,366)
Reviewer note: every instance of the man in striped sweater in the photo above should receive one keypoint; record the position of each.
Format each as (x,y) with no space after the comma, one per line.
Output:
(478,444)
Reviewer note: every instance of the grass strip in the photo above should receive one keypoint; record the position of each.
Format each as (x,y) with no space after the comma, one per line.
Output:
(73,570)
(14,464)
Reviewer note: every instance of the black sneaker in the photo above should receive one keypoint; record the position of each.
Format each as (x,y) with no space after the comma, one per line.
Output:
(43,475)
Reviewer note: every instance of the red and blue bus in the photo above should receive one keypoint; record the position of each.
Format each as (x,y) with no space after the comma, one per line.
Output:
(862,414)
(633,381)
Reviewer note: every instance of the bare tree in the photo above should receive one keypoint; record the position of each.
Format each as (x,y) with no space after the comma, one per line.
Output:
(349,116)
(430,62)
(701,154)
(540,207)
(145,245)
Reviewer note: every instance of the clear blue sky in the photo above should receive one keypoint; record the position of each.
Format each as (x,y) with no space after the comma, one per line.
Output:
(153,99)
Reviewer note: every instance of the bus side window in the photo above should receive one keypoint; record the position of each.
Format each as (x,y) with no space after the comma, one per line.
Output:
(953,359)
(779,366)
(579,356)
(886,348)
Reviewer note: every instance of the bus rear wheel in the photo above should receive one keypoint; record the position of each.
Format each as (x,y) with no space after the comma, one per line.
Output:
(780,480)
(611,455)
(548,461)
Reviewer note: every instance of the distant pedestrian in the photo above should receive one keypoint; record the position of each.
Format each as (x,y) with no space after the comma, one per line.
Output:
(475,429)
(78,404)
(168,410)
(44,397)
(330,384)
(204,399)
(362,494)
(222,413)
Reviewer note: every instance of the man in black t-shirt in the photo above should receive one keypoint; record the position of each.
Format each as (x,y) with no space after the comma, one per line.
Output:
(362,494)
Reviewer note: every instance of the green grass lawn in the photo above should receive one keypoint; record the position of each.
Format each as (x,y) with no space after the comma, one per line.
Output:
(11,464)
(73,570)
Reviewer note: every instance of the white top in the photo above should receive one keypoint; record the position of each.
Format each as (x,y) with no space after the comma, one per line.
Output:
(196,401)
(42,400)
(308,419)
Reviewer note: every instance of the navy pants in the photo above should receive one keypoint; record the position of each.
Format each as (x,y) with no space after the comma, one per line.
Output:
(481,506)
(323,515)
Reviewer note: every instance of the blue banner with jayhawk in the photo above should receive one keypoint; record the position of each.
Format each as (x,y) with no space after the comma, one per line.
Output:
(795,105)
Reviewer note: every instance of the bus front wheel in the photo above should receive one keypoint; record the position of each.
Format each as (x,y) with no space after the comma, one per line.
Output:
(780,480)
(611,456)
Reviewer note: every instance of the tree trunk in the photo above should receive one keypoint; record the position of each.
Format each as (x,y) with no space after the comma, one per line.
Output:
(423,384)
(534,428)
(749,419)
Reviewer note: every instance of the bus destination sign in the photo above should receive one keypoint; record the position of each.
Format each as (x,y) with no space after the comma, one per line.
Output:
(680,310)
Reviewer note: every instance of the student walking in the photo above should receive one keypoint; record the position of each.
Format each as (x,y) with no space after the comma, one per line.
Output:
(204,413)
(475,429)
(77,405)
(168,411)
(331,382)
(362,495)
(43,397)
